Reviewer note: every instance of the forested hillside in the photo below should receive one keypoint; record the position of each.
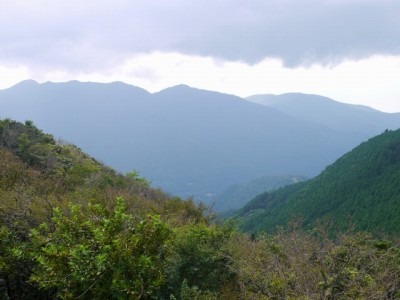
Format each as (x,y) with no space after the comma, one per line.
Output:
(71,228)
(361,189)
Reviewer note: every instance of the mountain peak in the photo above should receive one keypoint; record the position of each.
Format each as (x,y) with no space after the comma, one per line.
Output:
(27,83)
(181,86)
(175,88)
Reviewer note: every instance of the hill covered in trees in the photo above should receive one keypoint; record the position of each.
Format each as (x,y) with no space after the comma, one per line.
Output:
(72,228)
(361,189)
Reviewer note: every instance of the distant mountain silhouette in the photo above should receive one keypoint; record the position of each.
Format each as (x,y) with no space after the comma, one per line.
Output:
(185,140)
(330,113)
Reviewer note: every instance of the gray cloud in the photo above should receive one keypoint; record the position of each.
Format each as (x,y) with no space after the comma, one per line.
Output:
(90,35)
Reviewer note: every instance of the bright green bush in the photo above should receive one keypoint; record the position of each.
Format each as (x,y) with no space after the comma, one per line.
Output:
(94,254)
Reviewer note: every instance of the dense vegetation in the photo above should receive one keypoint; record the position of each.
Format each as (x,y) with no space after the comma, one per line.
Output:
(361,189)
(71,228)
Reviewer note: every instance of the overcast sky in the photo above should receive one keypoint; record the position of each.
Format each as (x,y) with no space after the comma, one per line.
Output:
(348,50)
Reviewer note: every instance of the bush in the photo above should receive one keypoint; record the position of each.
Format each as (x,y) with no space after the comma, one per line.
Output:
(94,254)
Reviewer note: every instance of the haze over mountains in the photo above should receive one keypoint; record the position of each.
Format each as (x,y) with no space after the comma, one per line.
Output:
(328,112)
(237,195)
(190,141)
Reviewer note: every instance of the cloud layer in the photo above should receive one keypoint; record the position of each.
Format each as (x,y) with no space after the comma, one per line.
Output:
(93,35)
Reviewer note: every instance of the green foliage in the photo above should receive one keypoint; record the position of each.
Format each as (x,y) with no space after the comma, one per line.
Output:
(361,189)
(96,255)
(199,258)
(15,268)
(292,264)
(134,175)
(193,293)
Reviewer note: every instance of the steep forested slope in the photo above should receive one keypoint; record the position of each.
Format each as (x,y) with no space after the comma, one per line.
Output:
(361,189)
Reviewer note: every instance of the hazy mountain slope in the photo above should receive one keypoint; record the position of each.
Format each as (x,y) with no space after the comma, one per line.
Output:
(218,138)
(328,112)
(237,195)
(185,140)
(361,188)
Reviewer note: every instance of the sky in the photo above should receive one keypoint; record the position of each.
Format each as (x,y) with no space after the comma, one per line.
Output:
(348,50)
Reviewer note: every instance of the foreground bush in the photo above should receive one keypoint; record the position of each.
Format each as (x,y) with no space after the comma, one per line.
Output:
(101,255)
(97,253)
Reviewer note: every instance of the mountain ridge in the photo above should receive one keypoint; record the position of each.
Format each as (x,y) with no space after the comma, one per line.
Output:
(187,141)
(326,111)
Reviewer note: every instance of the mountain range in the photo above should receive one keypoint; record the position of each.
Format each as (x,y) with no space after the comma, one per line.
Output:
(327,112)
(190,141)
